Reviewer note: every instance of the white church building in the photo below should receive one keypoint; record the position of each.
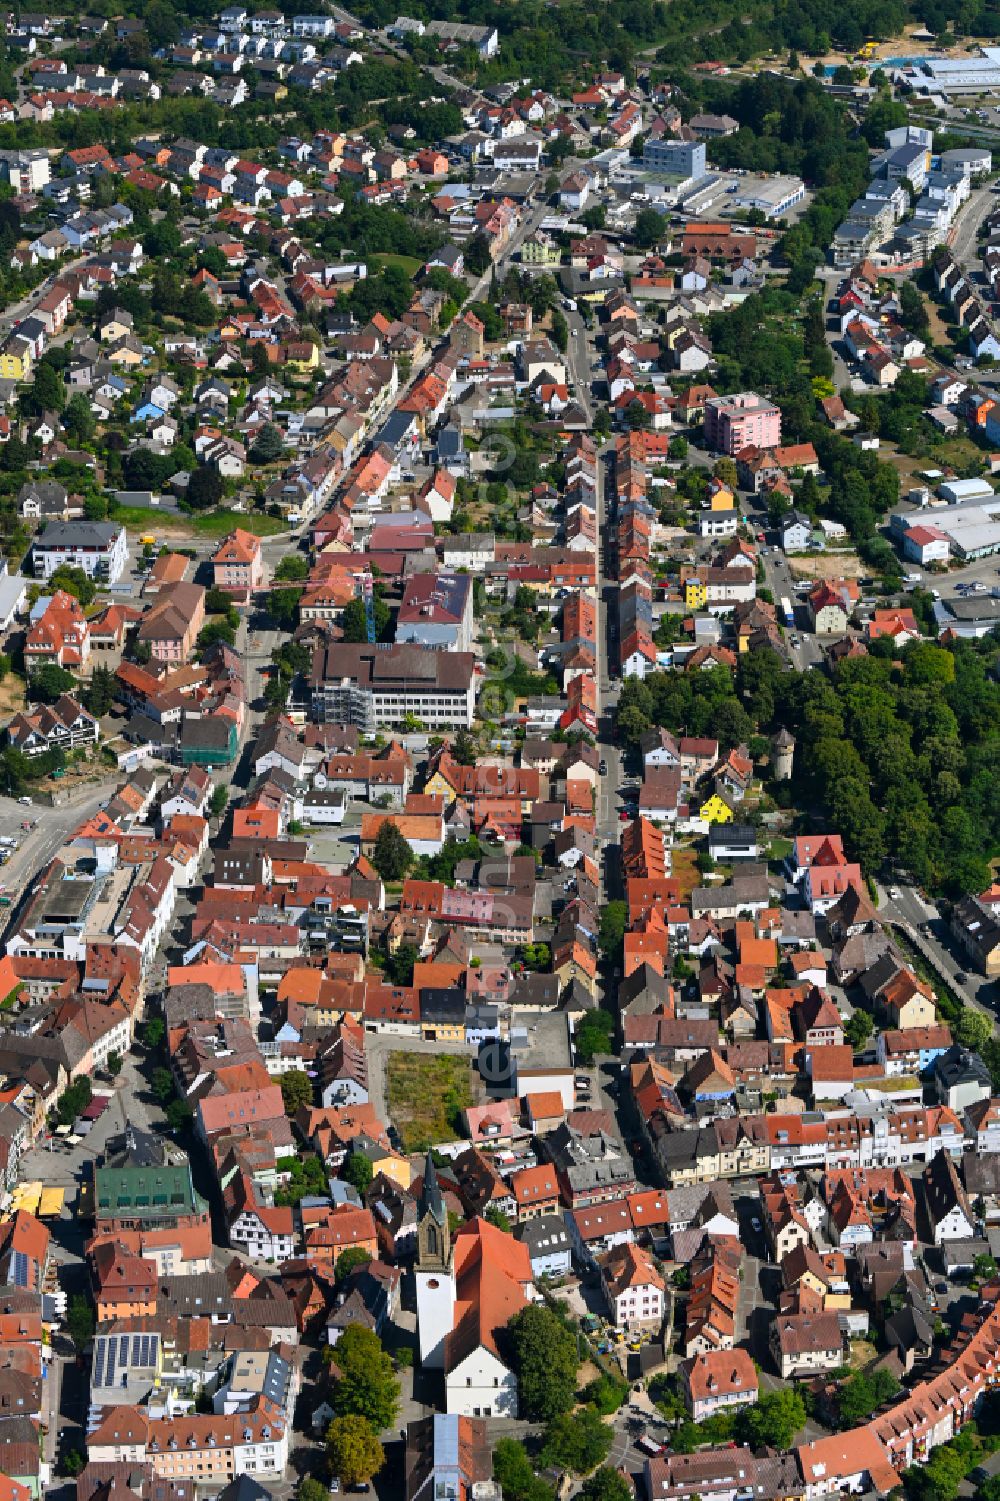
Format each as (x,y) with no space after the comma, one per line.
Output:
(468,1290)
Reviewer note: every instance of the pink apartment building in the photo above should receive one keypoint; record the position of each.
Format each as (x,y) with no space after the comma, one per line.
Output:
(735,422)
(238,565)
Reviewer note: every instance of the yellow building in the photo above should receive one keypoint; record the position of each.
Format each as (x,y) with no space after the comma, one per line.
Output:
(722,500)
(393,1166)
(443,1031)
(715,809)
(15,366)
(695,593)
(303,356)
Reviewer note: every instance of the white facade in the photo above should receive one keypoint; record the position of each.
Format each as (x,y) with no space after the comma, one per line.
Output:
(638,1306)
(435,1315)
(249,1233)
(481,1386)
(954,1226)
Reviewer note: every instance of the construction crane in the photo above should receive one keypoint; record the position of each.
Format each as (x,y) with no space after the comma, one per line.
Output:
(368,595)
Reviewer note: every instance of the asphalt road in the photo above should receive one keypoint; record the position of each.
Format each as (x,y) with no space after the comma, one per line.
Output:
(920,921)
(52,827)
(781,582)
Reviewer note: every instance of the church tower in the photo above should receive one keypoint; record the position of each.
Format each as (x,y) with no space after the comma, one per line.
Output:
(435,1271)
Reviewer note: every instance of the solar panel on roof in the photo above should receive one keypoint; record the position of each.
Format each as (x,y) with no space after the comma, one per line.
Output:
(19,1269)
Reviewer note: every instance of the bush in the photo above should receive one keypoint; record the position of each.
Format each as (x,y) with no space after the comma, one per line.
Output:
(606,1393)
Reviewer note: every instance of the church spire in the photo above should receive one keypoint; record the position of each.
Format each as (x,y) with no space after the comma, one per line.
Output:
(433,1230)
(432,1199)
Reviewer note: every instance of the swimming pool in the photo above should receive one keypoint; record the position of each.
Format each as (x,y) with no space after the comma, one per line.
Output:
(880,62)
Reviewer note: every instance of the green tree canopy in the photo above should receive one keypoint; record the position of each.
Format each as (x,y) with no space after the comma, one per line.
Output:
(545,1359)
(367,1386)
(392,855)
(296,1090)
(353,1450)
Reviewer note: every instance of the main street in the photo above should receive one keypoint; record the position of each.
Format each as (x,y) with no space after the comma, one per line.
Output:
(778,577)
(919,921)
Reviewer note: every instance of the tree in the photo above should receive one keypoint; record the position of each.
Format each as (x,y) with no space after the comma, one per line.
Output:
(649,227)
(354,622)
(269,444)
(349,1261)
(311,1489)
(205,488)
(973,1029)
(213,633)
(154,1032)
(392,855)
(74,1099)
(611,938)
(606,1393)
(861,1394)
(78,419)
(559,329)
(579,1440)
(48,390)
(358,1172)
(99,694)
(162,1085)
(161,23)
(367,1386)
(80,1321)
(464,749)
(283,607)
(219,801)
(477,255)
(513,1473)
(605,1485)
(296,1091)
(773,1421)
(496,1217)
(632,724)
(178,1115)
(594,1034)
(218,601)
(50,682)
(399,966)
(74,581)
(536,956)
(858,1029)
(293,568)
(545,1360)
(114,1064)
(353,1449)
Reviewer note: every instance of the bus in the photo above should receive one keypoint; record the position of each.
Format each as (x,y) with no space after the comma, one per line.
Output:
(787,611)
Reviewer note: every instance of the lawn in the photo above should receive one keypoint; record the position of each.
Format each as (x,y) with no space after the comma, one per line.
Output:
(139,519)
(684,869)
(407,263)
(426,1092)
(181,524)
(218,523)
